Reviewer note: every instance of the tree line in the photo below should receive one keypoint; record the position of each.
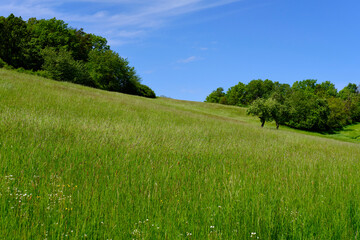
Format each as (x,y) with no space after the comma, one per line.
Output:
(305,105)
(52,49)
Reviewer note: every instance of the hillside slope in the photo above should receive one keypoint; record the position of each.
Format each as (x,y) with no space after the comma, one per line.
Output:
(77,162)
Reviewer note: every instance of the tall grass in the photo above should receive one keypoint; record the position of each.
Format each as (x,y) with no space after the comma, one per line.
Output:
(79,163)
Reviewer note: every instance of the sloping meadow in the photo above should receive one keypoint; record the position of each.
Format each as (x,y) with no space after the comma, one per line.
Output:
(79,163)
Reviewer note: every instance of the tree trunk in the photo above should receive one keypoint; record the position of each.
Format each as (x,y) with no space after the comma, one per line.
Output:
(262,122)
(277,125)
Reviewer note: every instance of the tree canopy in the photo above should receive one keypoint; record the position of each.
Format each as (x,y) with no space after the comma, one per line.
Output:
(52,48)
(216,96)
(305,105)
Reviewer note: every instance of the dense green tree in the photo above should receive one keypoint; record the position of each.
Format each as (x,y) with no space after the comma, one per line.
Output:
(99,43)
(349,91)
(268,110)
(112,72)
(145,91)
(260,109)
(223,100)
(66,54)
(352,107)
(2,63)
(308,85)
(236,94)
(306,105)
(4,39)
(279,113)
(267,88)
(281,92)
(326,90)
(14,41)
(307,111)
(254,90)
(215,96)
(80,44)
(50,33)
(61,66)
(350,94)
(338,116)
(355,108)
(56,34)
(258,89)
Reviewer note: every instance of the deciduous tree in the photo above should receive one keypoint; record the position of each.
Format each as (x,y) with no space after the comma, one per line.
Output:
(215,96)
(260,109)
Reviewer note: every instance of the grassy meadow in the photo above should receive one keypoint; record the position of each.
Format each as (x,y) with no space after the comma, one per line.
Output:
(81,163)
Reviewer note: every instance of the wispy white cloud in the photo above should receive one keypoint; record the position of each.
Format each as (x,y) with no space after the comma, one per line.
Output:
(122,19)
(189,59)
(129,34)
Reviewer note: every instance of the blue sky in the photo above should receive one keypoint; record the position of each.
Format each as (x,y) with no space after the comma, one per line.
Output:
(185,49)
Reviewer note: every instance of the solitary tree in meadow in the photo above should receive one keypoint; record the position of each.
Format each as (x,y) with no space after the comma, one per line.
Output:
(268,110)
(259,108)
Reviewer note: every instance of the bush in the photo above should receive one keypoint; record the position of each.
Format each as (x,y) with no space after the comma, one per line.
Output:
(43,73)
(112,72)
(307,111)
(215,96)
(223,100)
(2,63)
(145,91)
(338,116)
(61,66)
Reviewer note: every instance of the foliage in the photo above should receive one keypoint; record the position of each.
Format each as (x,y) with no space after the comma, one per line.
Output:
(349,91)
(223,100)
(2,63)
(279,113)
(353,106)
(14,41)
(53,48)
(61,66)
(112,72)
(99,43)
(56,34)
(338,116)
(307,111)
(215,96)
(268,110)
(281,92)
(305,105)
(145,91)
(261,109)
(236,95)
(326,90)
(258,89)
(308,85)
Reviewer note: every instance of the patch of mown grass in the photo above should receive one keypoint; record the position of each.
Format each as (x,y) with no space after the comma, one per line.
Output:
(79,163)
(349,133)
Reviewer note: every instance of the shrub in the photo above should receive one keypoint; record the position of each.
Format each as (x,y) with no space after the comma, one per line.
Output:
(61,66)
(145,91)
(2,63)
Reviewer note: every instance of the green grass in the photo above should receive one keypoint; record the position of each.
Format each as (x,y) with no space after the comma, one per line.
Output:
(80,163)
(350,133)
